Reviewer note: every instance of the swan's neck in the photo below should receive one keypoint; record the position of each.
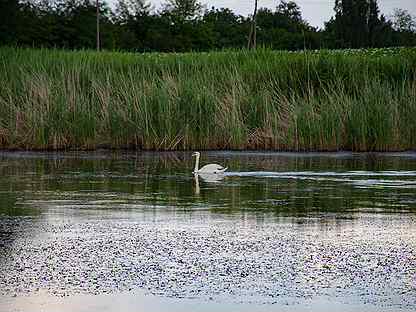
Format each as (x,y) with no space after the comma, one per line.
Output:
(196,163)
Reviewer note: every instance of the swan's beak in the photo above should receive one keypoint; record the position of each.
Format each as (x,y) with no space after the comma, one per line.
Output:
(194,154)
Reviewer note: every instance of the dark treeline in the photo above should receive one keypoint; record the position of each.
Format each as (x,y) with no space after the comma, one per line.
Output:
(185,25)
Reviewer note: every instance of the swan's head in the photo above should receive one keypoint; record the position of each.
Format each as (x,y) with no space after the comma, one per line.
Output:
(196,154)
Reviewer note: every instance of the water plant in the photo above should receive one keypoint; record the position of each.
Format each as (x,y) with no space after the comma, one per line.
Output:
(318,100)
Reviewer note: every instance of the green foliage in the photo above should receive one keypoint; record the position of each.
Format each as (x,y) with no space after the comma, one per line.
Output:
(358,24)
(183,9)
(10,20)
(329,100)
(185,25)
(403,21)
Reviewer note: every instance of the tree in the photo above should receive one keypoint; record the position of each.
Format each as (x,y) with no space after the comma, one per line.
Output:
(357,24)
(227,30)
(252,37)
(77,22)
(284,28)
(132,9)
(404,28)
(9,16)
(183,26)
(133,21)
(351,18)
(403,21)
(290,10)
(183,9)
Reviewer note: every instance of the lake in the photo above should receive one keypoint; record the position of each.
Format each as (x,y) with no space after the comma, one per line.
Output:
(104,231)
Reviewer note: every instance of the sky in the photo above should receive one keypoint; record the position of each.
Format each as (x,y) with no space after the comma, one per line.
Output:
(316,12)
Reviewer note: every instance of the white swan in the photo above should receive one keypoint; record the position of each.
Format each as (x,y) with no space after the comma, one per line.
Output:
(211,168)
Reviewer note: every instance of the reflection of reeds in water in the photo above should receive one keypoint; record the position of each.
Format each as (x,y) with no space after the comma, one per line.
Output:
(165,180)
(226,100)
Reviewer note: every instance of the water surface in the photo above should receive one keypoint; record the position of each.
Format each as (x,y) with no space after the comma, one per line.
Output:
(279,231)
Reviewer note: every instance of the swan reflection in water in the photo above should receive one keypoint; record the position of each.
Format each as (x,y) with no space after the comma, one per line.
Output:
(207,177)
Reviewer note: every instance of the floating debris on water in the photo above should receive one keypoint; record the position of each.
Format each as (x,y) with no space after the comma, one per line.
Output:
(366,261)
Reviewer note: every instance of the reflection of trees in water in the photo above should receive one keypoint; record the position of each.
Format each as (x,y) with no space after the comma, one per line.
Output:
(170,162)
(165,179)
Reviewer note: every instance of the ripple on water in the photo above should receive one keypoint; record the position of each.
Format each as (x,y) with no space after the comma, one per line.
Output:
(386,179)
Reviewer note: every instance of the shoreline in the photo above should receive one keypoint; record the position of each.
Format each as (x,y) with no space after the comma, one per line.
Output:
(236,151)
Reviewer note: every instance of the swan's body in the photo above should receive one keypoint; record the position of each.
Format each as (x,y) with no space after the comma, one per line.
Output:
(210,169)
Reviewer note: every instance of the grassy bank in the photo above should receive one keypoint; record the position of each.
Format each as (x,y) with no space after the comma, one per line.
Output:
(355,100)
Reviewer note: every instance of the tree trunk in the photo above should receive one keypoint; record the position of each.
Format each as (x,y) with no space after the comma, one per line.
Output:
(252,37)
(98,26)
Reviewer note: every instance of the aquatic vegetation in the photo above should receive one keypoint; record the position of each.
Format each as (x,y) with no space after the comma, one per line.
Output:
(318,100)
(283,230)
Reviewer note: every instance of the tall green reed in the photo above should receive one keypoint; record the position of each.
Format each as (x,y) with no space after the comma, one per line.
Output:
(51,99)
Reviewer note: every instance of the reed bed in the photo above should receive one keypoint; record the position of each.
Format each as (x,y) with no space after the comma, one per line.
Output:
(308,101)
